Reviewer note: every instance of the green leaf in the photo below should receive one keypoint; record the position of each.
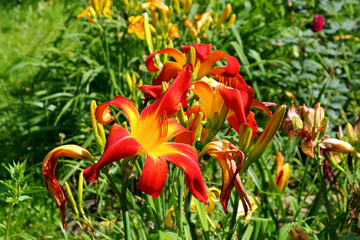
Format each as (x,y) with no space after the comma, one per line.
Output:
(23,198)
(350,236)
(200,208)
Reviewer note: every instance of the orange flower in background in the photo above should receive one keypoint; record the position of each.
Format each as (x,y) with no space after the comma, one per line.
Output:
(173,31)
(49,167)
(96,8)
(150,132)
(136,25)
(155,4)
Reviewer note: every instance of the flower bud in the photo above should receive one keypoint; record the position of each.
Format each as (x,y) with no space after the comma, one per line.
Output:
(266,137)
(336,145)
(154,17)
(350,133)
(148,33)
(80,192)
(331,159)
(71,198)
(297,122)
(225,14)
(191,57)
(319,115)
(231,21)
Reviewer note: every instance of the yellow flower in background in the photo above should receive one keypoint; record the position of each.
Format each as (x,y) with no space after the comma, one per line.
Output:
(155,4)
(241,210)
(213,196)
(168,220)
(136,25)
(173,31)
(202,19)
(97,8)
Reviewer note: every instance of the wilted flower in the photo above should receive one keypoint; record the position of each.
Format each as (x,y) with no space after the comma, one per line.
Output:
(318,23)
(227,154)
(241,210)
(49,167)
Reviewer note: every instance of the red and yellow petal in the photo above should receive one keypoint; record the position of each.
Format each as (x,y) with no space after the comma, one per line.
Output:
(176,54)
(263,106)
(168,72)
(202,50)
(153,176)
(174,128)
(185,157)
(120,144)
(206,95)
(169,102)
(104,117)
(232,68)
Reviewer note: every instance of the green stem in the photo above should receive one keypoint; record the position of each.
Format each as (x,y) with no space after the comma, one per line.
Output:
(233,217)
(124,208)
(181,200)
(8,221)
(325,196)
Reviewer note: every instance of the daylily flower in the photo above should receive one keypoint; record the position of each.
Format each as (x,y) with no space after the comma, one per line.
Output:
(212,102)
(282,172)
(204,61)
(49,166)
(226,154)
(96,8)
(150,132)
(136,25)
(239,97)
(155,4)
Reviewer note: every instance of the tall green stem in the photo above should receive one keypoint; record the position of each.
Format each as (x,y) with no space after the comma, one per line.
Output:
(233,217)
(325,196)
(124,209)
(8,221)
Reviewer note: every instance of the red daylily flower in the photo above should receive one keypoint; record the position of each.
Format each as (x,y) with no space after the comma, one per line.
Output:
(239,97)
(150,132)
(49,166)
(205,60)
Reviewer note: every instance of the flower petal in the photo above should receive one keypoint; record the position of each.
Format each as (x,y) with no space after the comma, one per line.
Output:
(104,117)
(168,72)
(263,106)
(185,157)
(154,91)
(169,102)
(119,145)
(174,129)
(238,97)
(153,176)
(231,70)
(176,54)
(202,50)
